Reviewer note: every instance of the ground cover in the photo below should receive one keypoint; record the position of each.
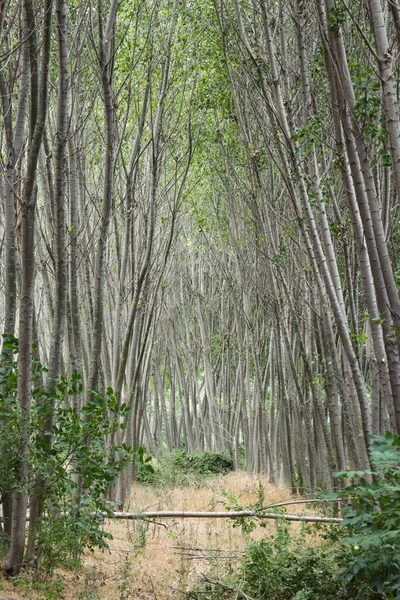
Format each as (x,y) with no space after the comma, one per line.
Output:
(163,560)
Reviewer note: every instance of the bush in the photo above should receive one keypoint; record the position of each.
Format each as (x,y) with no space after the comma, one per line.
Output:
(289,566)
(181,467)
(205,463)
(372,519)
(358,560)
(71,468)
(59,542)
(74,471)
(283,567)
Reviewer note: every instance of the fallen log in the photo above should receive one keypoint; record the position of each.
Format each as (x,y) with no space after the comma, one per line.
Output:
(176,514)
(173,514)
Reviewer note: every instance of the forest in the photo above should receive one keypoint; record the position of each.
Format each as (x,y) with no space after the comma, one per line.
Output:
(200,262)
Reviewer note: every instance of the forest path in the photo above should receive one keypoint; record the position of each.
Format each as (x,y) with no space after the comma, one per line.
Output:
(162,561)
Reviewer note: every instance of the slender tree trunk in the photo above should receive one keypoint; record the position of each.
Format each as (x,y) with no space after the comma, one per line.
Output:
(28,205)
(105,53)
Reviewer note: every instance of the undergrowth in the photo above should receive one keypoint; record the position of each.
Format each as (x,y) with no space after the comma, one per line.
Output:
(287,566)
(181,468)
(70,467)
(357,560)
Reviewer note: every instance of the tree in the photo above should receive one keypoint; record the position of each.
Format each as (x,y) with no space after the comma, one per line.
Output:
(38,109)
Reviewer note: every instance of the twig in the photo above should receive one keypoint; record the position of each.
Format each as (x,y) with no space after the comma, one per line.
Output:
(297,502)
(227,587)
(202,557)
(158,523)
(201,549)
(152,587)
(187,594)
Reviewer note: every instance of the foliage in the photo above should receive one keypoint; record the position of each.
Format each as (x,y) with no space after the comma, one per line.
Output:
(283,567)
(247,524)
(49,588)
(71,465)
(179,467)
(203,463)
(9,416)
(91,585)
(372,519)
(123,585)
(358,560)
(336,19)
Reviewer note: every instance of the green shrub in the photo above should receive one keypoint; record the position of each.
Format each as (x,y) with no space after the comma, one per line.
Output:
(76,469)
(71,467)
(283,567)
(357,560)
(207,463)
(59,543)
(9,417)
(288,566)
(42,586)
(372,520)
(180,467)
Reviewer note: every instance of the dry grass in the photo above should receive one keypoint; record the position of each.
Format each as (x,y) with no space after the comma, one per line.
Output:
(160,561)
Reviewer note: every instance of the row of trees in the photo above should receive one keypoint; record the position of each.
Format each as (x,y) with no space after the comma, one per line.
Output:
(199,209)
(290,303)
(94,162)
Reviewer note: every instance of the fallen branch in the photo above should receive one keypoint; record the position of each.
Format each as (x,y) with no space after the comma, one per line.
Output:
(202,557)
(288,502)
(171,514)
(193,549)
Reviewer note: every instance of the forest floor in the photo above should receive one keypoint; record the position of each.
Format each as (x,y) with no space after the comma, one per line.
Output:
(162,560)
